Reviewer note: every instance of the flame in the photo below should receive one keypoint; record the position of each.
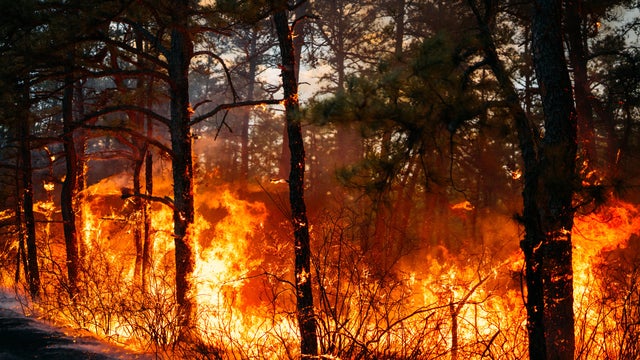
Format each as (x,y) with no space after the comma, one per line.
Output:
(454,302)
(49,186)
(464,205)
(516,174)
(224,263)
(594,235)
(228,265)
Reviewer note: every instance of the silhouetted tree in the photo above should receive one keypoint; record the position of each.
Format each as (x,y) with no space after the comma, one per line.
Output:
(302,272)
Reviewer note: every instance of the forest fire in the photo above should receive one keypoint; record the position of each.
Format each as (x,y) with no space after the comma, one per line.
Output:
(354,180)
(231,311)
(462,306)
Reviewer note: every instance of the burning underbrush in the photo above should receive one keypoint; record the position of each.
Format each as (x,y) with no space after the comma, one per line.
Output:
(418,304)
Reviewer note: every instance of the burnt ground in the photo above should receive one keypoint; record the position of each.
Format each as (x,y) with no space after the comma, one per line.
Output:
(26,338)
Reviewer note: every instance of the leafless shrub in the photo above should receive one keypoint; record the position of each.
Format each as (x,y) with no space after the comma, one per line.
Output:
(428,310)
(608,323)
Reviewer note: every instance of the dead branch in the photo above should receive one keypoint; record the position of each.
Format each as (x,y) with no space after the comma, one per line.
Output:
(126,194)
(221,107)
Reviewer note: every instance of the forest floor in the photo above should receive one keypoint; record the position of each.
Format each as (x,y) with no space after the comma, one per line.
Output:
(22,338)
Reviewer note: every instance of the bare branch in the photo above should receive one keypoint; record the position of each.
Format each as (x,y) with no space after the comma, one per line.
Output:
(120,72)
(222,107)
(205,29)
(155,40)
(466,76)
(131,49)
(200,103)
(224,66)
(303,17)
(223,123)
(165,149)
(125,107)
(163,200)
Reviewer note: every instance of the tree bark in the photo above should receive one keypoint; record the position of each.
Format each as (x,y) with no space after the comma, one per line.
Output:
(182,163)
(69,187)
(31,269)
(549,175)
(147,243)
(145,123)
(138,232)
(21,259)
(302,270)
(578,57)
(557,177)
(33,275)
(528,143)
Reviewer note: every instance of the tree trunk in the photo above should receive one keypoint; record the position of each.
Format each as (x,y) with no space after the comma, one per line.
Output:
(21,259)
(302,271)
(527,139)
(138,232)
(182,162)
(145,85)
(298,42)
(139,149)
(147,243)
(69,187)
(557,177)
(33,275)
(578,58)
(246,113)
(29,223)
(79,138)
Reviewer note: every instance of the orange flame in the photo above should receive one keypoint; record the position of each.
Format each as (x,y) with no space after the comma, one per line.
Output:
(463,301)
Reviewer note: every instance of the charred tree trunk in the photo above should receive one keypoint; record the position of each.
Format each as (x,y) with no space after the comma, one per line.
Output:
(557,178)
(147,242)
(29,223)
(578,58)
(453,312)
(79,138)
(69,187)
(33,275)
(182,163)
(298,42)
(528,142)
(138,232)
(302,271)
(21,257)
(145,124)
(139,149)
